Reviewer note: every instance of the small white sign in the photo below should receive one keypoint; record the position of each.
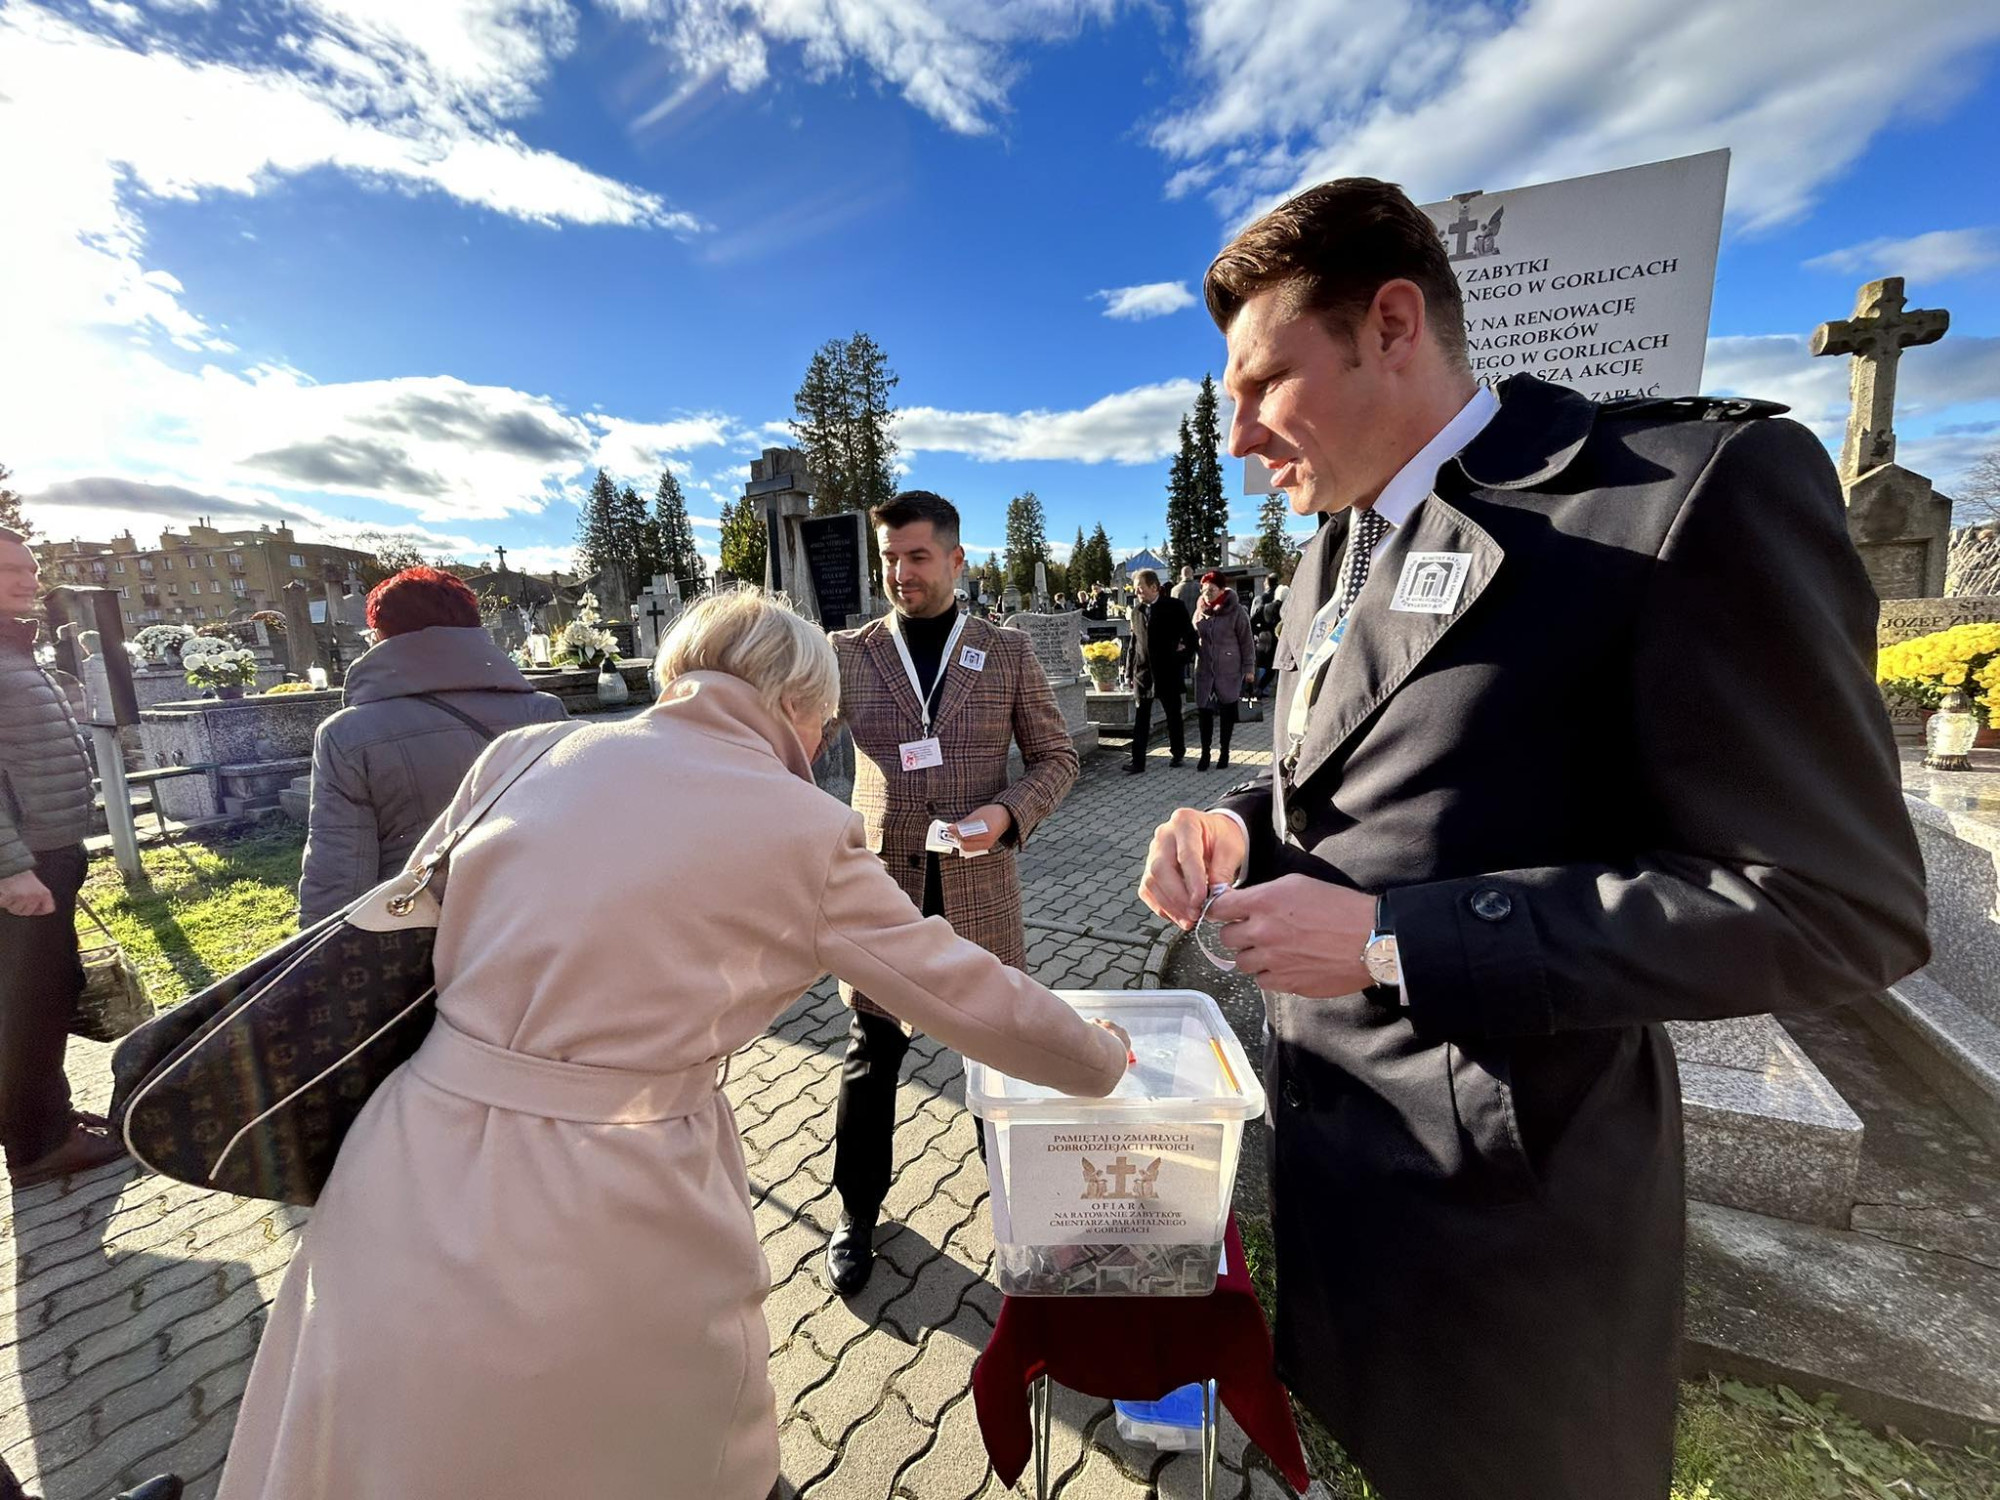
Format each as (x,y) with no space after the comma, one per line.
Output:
(921,755)
(972,659)
(1431,582)
(1131,1185)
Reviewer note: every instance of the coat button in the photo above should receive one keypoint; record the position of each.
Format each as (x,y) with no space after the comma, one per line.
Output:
(1293,1098)
(1492,906)
(1295,819)
(915,860)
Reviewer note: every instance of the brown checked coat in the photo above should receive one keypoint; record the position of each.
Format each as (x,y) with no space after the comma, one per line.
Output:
(980,713)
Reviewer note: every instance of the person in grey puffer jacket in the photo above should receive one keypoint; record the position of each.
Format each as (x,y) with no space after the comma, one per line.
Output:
(45,798)
(387,764)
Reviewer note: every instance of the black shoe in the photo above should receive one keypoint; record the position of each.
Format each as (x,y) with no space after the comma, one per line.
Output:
(1203,766)
(1133,770)
(1222,763)
(162,1487)
(1178,761)
(850,1254)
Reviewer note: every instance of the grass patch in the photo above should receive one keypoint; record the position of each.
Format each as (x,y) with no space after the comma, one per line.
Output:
(205,908)
(1734,1441)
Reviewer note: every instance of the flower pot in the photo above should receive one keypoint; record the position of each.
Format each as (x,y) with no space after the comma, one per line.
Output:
(230,690)
(1104,679)
(611,689)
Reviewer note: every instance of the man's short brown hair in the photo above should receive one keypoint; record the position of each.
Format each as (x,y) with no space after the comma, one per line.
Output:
(912,506)
(1144,577)
(1336,246)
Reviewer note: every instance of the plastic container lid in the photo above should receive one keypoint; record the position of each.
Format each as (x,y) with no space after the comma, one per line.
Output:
(1189,1067)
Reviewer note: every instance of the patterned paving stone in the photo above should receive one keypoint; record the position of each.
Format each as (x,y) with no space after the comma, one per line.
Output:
(135,1303)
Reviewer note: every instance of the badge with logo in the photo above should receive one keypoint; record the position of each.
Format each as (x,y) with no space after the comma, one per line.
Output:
(972,659)
(1431,582)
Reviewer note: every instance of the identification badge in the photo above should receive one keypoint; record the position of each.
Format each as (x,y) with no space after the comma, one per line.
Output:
(1431,582)
(972,659)
(921,755)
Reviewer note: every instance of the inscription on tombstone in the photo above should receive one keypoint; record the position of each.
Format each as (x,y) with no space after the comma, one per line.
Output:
(1906,619)
(836,552)
(1058,643)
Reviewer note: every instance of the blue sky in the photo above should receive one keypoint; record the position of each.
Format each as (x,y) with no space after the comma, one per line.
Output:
(419,266)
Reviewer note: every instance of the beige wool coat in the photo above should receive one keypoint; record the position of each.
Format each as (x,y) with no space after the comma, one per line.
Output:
(533,1270)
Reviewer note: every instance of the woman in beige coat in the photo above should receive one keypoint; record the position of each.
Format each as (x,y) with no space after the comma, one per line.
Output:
(533,1270)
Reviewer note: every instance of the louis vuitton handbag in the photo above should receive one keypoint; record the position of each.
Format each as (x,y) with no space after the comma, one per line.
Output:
(250,1086)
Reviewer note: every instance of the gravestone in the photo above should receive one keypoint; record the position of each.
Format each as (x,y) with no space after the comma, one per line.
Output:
(836,553)
(1945,1018)
(302,647)
(1010,599)
(1058,642)
(1900,524)
(1041,586)
(654,612)
(782,488)
(1906,619)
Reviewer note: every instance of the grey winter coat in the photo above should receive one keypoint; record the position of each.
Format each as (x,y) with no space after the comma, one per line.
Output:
(385,766)
(1225,658)
(44,771)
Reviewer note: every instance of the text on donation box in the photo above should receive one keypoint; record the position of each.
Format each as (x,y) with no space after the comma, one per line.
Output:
(1142,1184)
(835,548)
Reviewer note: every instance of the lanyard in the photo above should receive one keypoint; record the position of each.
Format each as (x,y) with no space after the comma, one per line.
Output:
(910,666)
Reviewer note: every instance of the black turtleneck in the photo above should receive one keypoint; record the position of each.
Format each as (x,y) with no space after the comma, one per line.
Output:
(926,638)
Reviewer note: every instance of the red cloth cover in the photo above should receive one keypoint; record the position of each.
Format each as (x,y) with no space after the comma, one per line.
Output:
(1137,1349)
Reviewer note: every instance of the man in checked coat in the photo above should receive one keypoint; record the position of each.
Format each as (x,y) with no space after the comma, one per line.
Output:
(934,696)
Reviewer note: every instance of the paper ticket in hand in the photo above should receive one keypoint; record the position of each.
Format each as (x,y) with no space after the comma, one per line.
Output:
(943,837)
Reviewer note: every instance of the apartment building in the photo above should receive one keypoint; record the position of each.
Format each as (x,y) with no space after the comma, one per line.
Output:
(200,575)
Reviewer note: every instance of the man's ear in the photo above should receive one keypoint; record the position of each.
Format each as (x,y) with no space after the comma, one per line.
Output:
(1395,324)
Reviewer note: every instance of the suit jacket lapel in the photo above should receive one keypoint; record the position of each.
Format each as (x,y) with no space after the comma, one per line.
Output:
(1383,647)
(888,663)
(959,681)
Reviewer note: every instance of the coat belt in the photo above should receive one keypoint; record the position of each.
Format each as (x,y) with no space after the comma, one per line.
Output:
(459,1064)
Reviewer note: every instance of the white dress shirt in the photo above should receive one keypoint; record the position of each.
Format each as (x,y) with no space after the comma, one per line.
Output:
(1410,486)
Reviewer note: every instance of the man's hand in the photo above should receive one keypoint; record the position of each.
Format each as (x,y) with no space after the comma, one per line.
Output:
(24,895)
(997,819)
(1191,852)
(1298,936)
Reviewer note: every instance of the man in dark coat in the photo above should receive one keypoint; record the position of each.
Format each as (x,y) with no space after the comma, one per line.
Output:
(1576,732)
(45,797)
(1163,643)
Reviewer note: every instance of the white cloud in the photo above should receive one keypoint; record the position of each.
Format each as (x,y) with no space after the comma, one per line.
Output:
(636,451)
(1138,426)
(1155,299)
(952,59)
(1957,377)
(1445,98)
(1936,256)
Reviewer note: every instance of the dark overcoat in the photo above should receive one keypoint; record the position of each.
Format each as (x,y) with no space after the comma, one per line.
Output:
(1635,770)
(1163,643)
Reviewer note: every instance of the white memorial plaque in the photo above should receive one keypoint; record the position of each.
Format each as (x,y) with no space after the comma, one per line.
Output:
(1091,1185)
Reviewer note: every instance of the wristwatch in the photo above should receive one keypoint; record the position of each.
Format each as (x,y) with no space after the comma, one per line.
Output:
(1380,952)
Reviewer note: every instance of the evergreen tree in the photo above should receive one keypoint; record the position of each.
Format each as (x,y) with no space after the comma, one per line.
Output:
(1027,540)
(11,515)
(1274,548)
(1184,540)
(680,559)
(1076,572)
(1209,505)
(842,422)
(743,540)
(638,545)
(992,582)
(1100,556)
(597,535)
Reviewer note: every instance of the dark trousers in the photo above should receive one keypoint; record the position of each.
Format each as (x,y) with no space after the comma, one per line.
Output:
(1142,724)
(40,978)
(864,1121)
(1227,713)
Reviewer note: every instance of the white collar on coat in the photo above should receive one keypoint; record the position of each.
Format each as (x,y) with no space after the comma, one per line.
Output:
(1412,483)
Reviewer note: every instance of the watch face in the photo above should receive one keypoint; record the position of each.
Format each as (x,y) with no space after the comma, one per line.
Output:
(1383,966)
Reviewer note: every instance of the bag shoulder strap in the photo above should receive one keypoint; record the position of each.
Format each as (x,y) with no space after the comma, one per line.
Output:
(435,861)
(488,735)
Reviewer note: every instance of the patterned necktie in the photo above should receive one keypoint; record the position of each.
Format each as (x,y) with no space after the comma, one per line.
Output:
(1363,537)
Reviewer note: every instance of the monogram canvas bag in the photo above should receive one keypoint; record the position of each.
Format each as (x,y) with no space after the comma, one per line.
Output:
(251,1085)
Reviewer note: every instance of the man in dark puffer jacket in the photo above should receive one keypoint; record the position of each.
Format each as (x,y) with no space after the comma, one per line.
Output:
(44,816)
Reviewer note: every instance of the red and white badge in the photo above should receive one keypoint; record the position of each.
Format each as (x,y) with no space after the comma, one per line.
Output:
(921,755)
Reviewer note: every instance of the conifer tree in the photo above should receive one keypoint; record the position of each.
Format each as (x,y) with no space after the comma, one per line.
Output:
(11,514)
(1100,556)
(1184,538)
(743,540)
(1274,547)
(597,527)
(680,559)
(1209,505)
(1027,540)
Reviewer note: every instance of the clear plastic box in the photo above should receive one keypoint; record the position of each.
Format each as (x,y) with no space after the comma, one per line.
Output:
(1125,1196)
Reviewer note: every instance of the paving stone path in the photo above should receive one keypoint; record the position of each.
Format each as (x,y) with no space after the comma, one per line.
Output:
(136,1303)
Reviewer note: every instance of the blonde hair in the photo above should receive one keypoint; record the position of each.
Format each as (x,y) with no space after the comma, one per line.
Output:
(759,638)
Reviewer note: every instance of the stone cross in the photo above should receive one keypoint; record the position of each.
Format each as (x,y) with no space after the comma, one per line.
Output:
(1464,225)
(501,552)
(1878,333)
